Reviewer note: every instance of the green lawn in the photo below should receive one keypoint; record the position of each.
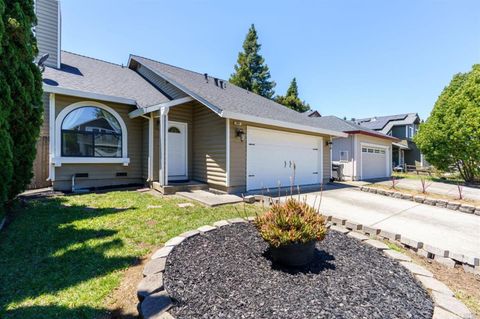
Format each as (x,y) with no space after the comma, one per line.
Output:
(453,179)
(61,257)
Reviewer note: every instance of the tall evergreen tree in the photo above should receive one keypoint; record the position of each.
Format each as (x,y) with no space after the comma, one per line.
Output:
(291,99)
(5,107)
(25,82)
(251,72)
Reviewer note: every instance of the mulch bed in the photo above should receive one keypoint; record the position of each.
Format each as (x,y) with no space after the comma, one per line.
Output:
(227,273)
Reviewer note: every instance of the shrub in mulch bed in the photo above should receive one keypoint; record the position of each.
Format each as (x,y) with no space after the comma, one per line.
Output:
(227,273)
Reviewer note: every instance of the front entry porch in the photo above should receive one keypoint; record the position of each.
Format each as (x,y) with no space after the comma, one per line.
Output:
(175,187)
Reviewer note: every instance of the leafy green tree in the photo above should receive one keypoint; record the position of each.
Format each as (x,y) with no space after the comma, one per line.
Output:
(5,108)
(450,137)
(291,99)
(25,84)
(251,72)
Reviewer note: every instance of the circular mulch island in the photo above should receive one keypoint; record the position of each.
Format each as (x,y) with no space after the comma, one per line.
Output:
(227,273)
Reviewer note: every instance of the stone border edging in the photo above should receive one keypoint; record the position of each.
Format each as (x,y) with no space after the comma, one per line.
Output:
(421,199)
(154,301)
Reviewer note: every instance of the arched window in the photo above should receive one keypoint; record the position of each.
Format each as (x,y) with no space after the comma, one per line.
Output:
(91,131)
(173,129)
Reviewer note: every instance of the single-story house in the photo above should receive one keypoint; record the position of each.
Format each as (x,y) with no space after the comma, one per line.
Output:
(153,123)
(364,154)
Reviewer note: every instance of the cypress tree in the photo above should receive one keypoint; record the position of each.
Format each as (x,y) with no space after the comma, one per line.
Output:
(5,107)
(25,82)
(251,72)
(291,99)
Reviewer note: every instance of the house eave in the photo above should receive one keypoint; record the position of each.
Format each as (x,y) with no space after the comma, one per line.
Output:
(373,135)
(88,95)
(157,107)
(266,121)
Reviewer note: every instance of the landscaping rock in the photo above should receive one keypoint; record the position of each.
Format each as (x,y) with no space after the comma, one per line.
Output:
(249,199)
(429,201)
(339,229)
(221,223)
(150,285)
(411,243)
(389,235)
(450,263)
(456,257)
(439,313)
(174,241)
(185,205)
(419,199)
(370,230)
(376,244)
(435,285)
(206,228)
(154,266)
(352,225)
(162,252)
(471,269)
(452,305)
(441,203)
(436,251)
(397,195)
(338,221)
(155,305)
(190,233)
(396,255)
(372,190)
(422,252)
(416,269)
(407,196)
(453,206)
(237,220)
(477,211)
(251,218)
(469,209)
(380,192)
(358,236)
(472,261)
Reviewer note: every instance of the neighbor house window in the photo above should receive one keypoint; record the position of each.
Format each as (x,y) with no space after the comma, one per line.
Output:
(343,156)
(91,132)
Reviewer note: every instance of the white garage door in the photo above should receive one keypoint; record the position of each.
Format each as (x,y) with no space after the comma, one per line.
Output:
(374,162)
(272,156)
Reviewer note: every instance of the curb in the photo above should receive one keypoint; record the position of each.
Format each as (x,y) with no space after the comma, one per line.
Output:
(421,199)
(154,301)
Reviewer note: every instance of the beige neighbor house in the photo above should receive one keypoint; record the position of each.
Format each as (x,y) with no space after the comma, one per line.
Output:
(365,154)
(164,126)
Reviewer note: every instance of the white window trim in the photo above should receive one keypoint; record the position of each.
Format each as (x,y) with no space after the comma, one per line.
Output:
(58,160)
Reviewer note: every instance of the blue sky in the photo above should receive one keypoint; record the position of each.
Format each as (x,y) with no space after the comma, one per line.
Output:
(351,58)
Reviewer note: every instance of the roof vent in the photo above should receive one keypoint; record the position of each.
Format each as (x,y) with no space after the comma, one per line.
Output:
(216,81)
(206,77)
(373,119)
(222,84)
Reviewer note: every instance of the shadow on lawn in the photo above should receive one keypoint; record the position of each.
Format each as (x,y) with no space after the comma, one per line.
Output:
(42,253)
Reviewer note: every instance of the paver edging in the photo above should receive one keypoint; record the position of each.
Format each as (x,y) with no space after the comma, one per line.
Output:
(165,303)
(463,208)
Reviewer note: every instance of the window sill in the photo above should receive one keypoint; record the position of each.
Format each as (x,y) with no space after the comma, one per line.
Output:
(58,161)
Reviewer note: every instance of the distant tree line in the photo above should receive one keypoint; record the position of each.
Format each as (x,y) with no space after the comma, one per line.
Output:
(21,107)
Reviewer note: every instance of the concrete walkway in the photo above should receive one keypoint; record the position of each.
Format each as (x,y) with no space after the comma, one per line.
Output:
(439,227)
(471,193)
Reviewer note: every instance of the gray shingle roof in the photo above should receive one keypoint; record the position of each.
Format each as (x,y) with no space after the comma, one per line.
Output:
(86,74)
(230,99)
(336,124)
(379,122)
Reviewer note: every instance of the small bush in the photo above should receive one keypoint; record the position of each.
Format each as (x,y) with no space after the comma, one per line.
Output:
(291,222)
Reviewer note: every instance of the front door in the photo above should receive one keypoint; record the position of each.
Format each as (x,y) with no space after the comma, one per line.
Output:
(177,151)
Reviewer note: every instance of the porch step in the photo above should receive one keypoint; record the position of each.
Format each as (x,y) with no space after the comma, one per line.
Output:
(211,199)
(179,187)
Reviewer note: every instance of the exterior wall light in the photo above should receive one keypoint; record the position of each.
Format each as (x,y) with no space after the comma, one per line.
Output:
(240,134)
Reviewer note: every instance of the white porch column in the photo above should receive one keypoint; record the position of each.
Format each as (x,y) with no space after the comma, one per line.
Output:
(163,140)
(150,148)
(51,140)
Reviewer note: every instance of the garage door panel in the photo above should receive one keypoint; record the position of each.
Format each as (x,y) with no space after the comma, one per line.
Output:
(374,162)
(271,156)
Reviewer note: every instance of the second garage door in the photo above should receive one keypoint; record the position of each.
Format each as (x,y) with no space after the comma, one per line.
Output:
(374,162)
(273,155)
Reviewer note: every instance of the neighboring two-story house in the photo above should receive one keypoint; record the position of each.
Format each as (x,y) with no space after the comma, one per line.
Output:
(404,127)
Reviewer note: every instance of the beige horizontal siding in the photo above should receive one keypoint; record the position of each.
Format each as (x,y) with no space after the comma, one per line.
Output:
(209,146)
(105,174)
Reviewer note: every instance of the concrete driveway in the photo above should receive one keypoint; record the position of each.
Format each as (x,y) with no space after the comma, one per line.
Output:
(471,193)
(439,227)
